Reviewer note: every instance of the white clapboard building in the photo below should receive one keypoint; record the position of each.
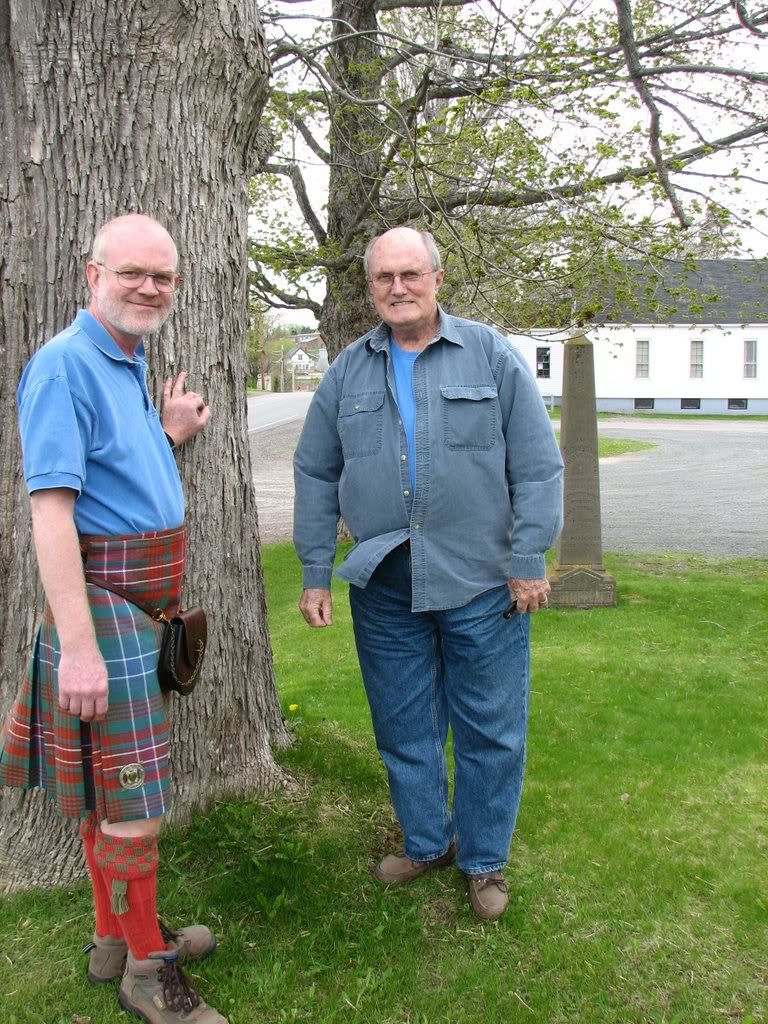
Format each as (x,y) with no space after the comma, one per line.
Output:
(688,341)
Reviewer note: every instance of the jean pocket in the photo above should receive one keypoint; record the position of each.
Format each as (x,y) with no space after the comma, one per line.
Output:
(469,416)
(360,424)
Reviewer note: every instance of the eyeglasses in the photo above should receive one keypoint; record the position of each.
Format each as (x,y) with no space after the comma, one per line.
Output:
(135,278)
(409,278)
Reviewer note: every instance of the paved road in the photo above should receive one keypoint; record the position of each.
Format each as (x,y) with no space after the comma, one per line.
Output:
(266,411)
(704,488)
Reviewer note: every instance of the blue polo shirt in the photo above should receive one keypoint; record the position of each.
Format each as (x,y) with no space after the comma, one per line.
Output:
(87,423)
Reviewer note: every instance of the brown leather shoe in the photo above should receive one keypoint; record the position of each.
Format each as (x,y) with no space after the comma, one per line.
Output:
(488,894)
(396,868)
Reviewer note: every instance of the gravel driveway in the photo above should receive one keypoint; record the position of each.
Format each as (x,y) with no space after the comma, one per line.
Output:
(704,488)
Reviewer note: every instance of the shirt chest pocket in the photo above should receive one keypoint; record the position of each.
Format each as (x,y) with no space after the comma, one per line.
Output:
(360,424)
(469,416)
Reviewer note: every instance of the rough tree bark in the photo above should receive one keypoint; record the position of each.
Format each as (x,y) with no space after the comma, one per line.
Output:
(109,108)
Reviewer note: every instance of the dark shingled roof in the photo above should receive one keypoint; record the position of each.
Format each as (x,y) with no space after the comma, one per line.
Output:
(704,292)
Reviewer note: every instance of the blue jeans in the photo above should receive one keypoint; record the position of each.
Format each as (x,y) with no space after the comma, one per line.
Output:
(423,671)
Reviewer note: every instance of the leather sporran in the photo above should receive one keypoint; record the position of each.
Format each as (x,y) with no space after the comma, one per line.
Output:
(185,636)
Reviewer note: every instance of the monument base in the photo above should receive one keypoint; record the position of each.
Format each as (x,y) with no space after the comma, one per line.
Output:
(581,586)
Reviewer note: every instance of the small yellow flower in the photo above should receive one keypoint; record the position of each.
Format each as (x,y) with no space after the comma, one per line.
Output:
(293,707)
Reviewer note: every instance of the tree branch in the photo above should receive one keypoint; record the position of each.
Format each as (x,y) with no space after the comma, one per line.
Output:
(266,288)
(744,19)
(309,138)
(292,172)
(396,5)
(634,68)
(515,200)
(415,105)
(705,69)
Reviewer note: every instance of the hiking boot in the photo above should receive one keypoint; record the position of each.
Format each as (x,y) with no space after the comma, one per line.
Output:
(107,960)
(396,868)
(488,894)
(157,990)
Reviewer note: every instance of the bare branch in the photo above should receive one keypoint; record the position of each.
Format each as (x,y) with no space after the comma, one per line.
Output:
(267,288)
(396,5)
(309,138)
(627,40)
(703,69)
(514,200)
(741,13)
(292,172)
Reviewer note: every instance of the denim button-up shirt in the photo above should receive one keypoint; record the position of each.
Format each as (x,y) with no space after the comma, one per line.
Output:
(488,496)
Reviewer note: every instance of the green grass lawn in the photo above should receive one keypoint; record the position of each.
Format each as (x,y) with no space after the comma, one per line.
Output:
(637,874)
(610,446)
(556,412)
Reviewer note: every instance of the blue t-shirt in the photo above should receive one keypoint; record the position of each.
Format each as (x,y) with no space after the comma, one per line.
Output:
(402,366)
(87,423)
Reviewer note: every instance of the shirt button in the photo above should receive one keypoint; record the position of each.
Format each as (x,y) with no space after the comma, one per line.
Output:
(403,458)
(406,493)
(357,405)
(415,526)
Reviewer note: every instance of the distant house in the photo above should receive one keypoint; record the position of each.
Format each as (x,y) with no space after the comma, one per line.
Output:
(309,353)
(682,340)
(300,359)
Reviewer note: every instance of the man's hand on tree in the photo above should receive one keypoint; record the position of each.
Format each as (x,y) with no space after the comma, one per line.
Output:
(530,595)
(84,684)
(184,412)
(317,607)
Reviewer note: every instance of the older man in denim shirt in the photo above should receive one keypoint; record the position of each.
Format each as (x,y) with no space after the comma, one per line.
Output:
(429,436)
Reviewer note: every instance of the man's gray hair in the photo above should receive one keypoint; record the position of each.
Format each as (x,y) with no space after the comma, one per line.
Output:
(429,244)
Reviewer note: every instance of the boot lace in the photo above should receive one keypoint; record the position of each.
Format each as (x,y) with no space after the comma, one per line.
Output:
(178,994)
(168,934)
(483,881)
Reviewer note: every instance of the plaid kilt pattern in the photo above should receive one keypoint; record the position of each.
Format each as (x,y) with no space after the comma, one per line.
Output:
(117,768)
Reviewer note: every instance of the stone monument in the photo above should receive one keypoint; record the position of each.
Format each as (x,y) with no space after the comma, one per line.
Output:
(579,579)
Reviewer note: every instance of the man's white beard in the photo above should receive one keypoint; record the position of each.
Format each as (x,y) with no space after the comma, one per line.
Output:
(132,321)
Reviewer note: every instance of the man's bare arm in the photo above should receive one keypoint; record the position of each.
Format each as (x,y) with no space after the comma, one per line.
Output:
(82,677)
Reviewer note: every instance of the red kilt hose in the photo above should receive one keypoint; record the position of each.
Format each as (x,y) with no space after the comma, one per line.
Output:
(117,768)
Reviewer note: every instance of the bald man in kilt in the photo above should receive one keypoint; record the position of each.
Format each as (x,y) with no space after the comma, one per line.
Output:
(90,724)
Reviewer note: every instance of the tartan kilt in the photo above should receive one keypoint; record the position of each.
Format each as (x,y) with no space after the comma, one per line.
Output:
(117,768)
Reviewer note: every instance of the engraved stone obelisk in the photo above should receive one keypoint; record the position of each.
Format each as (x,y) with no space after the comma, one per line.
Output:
(579,579)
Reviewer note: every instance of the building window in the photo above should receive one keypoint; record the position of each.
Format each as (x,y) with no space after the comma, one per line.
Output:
(542,363)
(642,353)
(737,404)
(750,358)
(690,403)
(643,403)
(697,359)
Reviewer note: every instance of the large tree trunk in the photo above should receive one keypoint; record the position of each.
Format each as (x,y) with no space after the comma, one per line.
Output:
(109,108)
(355,139)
